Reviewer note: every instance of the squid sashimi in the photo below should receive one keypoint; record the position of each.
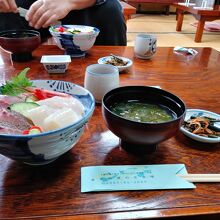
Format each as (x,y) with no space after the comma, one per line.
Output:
(56,112)
(38,114)
(63,102)
(60,118)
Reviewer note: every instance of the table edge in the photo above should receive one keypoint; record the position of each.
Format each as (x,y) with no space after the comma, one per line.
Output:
(210,211)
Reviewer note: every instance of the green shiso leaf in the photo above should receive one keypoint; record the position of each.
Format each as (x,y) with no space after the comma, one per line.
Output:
(17,84)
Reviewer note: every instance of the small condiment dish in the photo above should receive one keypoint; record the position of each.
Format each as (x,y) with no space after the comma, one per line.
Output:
(56,63)
(201,113)
(107,60)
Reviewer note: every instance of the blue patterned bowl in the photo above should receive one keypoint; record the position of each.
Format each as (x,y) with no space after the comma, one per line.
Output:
(43,148)
(77,44)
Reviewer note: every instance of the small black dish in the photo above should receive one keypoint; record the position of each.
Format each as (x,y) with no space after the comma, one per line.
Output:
(142,137)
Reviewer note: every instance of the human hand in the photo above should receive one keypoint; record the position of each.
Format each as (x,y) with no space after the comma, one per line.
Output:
(43,13)
(8,6)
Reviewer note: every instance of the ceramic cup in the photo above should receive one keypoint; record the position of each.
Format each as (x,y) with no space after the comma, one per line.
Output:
(145,45)
(101,78)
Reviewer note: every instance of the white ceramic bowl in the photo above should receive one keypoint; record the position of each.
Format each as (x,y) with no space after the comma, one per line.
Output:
(56,63)
(76,44)
(201,113)
(104,60)
(43,148)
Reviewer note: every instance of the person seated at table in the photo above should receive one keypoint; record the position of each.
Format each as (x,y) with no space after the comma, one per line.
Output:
(106,15)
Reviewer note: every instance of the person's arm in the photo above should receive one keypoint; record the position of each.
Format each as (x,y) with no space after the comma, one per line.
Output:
(43,13)
(8,6)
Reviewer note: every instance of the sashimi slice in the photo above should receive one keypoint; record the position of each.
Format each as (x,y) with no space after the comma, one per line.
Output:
(12,122)
(60,118)
(58,102)
(38,115)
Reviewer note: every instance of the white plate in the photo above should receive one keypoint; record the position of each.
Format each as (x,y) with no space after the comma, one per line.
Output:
(196,113)
(103,60)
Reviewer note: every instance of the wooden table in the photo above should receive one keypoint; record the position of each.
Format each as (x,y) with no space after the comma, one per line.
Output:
(201,15)
(167,3)
(53,191)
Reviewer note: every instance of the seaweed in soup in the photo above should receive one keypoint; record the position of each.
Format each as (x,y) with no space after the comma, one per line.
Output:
(143,112)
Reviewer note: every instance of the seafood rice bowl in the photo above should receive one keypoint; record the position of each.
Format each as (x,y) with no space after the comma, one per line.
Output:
(44,122)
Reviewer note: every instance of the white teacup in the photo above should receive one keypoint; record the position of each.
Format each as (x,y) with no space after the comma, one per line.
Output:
(101,78)
(145,45)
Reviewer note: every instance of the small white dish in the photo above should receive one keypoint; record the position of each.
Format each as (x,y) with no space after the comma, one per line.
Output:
(201,113)
(56,63)
(104,60)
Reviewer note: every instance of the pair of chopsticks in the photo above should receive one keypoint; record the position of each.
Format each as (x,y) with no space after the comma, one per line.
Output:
(22,11)
(200,177)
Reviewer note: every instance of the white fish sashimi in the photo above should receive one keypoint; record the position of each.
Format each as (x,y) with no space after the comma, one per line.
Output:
(58,102)
(37,115)
(60,118)
(56,112)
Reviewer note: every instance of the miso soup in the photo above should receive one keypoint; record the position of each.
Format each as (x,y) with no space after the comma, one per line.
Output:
(20,34)
(143,112)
